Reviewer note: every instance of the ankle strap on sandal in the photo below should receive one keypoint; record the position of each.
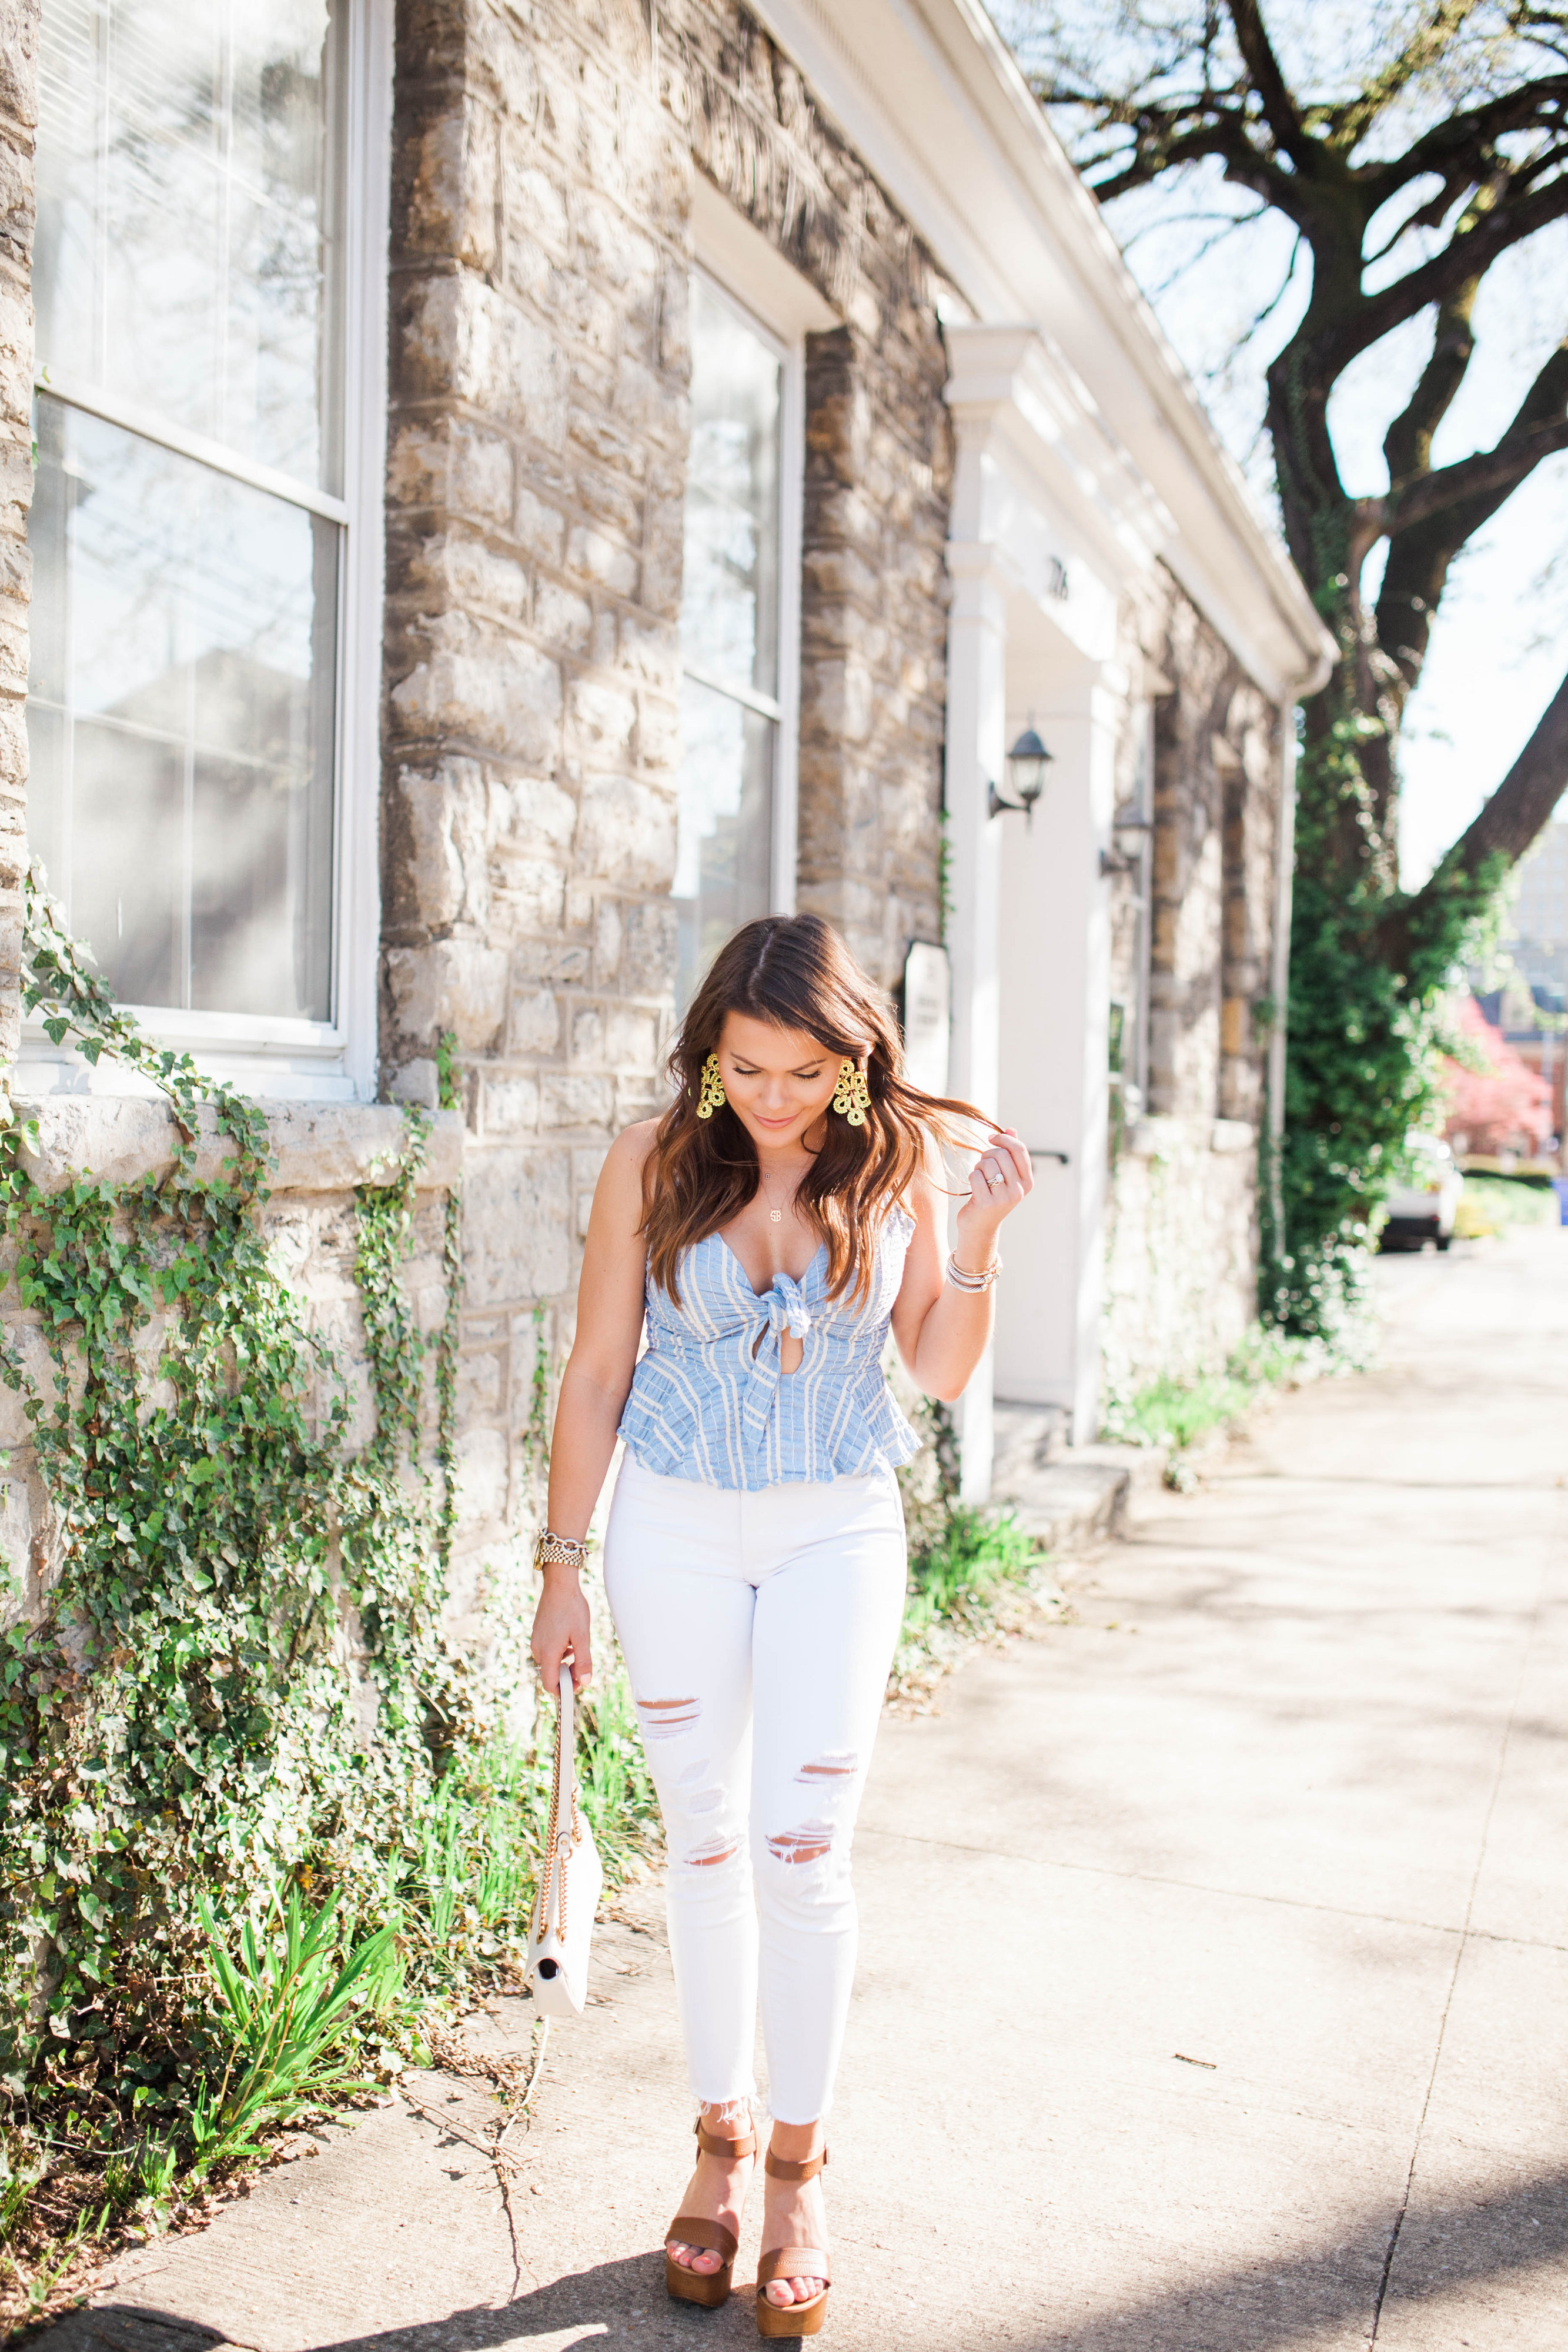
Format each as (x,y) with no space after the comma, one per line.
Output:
(711,2144)
(784,2168)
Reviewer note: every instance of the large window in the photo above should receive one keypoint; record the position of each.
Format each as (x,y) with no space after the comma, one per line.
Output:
(731,610)
(189,527)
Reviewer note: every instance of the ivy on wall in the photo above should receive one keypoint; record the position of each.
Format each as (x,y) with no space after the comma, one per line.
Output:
(238,1669)
(1364,1026)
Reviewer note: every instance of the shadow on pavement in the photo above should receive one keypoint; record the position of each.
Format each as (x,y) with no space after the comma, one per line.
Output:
(1446,2249)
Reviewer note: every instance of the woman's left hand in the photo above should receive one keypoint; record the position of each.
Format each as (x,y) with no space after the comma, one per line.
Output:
(999,1180)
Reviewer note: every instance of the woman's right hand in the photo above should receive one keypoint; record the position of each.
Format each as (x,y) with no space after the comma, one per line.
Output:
(562,1630)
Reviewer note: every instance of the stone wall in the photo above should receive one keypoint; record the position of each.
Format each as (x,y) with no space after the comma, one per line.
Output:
(18,121)
(541,252)
(1182,1243)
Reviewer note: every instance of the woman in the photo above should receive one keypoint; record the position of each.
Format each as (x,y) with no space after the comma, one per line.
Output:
(769,1227)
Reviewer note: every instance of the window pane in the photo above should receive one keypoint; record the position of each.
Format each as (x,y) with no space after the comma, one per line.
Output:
(184,238)
(180,719)
(729,605)
(723,864)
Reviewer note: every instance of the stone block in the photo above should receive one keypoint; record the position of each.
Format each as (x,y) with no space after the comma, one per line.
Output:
(630,1042)
(539,530)
(626,833)
(651,654)
(608,500)
(19,60)
(602,716)
(454,985)
(538,817)
(461,338)
(318,1146)
(649,945)
(450,164)
(504,66)
(658,734)
(588,1035)
(652,405)
(510,1106)
(481,683)
(561,617)
(664,552)
(465,570)
(556,962)
(482,1474)
(535,1024)
(535,204)
(593,555)
(609,441)
(437,845)
(515,1224)
(572,1098)
(528,896)
(606,939)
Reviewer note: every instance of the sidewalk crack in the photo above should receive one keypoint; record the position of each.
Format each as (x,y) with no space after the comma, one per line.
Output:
(1466,1937)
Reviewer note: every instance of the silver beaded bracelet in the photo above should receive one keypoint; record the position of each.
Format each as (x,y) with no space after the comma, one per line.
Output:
(961,1279)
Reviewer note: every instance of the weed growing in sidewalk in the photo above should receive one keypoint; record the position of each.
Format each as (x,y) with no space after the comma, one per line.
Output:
(1179,1411)
(981,1576)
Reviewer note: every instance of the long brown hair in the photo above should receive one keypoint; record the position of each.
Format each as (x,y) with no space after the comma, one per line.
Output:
(795,971)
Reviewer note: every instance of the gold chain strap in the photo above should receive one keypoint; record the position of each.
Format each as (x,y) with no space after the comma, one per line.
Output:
(553,1861)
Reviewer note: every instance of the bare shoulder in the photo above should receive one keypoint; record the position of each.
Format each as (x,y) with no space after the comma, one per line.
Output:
(631,1146)
(617,1195)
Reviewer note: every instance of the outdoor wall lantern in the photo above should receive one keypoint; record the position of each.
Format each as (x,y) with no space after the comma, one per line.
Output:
(1027,764)
(1123,861)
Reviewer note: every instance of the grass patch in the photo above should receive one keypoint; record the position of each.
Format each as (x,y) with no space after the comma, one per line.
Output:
(1179,1411)
(980,1576)
(304,2011)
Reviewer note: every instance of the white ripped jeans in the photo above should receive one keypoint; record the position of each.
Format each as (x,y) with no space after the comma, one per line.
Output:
(758,1630)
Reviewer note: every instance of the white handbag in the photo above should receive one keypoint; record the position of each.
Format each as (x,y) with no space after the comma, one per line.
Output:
(570,1877)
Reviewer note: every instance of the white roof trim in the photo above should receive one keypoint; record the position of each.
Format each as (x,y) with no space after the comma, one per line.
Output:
(932,100)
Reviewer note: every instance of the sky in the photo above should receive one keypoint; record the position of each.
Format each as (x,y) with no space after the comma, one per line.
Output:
(1499,645)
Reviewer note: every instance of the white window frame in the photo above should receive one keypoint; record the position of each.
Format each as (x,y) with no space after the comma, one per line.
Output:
(332,1060)
(782,307)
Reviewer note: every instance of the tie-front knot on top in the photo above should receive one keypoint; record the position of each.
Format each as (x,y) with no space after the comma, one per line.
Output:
(710,1399)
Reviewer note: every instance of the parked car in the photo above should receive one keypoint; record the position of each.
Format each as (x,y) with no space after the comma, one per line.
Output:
(1422,1209)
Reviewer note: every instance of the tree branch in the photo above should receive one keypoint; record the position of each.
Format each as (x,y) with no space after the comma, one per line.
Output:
(1538,428)
(1408,444)
(1507,825)
(1469,253)
(1465,145)
(1348,125)
(1279,106)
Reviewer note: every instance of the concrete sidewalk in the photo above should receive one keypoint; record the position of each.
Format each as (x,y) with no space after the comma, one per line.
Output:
(1214,1988)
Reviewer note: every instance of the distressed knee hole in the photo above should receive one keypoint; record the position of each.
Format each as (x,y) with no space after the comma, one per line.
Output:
(811,1843)
(834,1764)
(706,1801)
(711,1850)
(666,1718)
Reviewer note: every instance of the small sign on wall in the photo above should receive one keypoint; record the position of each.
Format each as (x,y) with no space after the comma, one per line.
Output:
(927,1017)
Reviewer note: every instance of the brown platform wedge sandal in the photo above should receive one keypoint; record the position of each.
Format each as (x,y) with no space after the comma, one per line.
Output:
(710,2288)
(792,2263)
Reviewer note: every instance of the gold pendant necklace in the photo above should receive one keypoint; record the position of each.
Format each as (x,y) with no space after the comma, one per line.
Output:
(775,1216)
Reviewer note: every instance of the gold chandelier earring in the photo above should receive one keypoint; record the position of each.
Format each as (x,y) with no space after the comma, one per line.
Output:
(851,1095)
(713,1096)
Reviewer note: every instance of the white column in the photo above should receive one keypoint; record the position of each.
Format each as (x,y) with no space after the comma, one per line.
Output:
(1055,972)
(976,722)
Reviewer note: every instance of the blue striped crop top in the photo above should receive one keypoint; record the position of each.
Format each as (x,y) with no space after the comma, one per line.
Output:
(710,1400)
